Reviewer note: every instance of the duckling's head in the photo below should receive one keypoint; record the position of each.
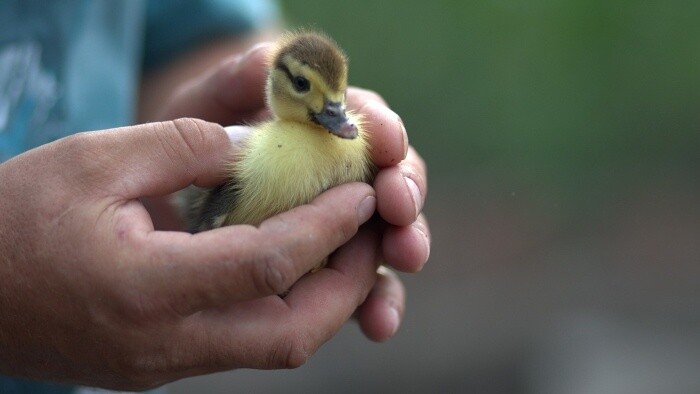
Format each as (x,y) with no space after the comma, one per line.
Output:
(307,83)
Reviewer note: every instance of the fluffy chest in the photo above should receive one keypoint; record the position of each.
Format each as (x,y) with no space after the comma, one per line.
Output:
(286,164)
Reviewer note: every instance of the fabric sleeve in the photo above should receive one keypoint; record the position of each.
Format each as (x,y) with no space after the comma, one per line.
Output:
(174,26)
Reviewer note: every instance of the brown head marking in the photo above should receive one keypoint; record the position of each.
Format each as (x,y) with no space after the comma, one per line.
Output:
(319,53)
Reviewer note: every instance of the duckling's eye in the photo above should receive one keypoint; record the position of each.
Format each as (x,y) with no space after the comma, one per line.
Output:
(301,84)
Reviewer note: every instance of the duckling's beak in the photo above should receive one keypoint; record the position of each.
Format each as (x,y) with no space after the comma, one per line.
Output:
(333,118)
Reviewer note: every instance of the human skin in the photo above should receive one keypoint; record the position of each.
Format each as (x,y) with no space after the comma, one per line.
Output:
(92,293)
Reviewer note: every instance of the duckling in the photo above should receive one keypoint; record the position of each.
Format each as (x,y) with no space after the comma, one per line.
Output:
(311,144)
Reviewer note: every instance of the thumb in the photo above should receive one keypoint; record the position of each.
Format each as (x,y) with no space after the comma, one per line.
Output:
(152,159)
(231,93)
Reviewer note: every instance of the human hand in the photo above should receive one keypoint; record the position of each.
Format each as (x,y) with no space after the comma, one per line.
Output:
(233,92)
(91,294)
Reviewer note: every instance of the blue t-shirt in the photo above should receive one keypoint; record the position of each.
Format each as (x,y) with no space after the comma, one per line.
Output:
(75,65)
(69,66)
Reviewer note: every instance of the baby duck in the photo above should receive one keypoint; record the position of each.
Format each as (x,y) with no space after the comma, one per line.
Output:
(312,143)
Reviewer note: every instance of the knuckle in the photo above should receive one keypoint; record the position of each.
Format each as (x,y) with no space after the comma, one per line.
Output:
(134,377)
(195,138)
(191,129)
(191,133)
(273,273)
(134,370)
(290,352)
(140,365)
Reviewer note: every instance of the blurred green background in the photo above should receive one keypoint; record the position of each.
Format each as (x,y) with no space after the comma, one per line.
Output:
(564,92)
(562,140)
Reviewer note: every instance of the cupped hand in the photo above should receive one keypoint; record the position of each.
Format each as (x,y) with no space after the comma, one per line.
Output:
(233,93)
(90,293)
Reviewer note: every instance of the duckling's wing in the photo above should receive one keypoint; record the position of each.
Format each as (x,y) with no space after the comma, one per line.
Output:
(221,200)
(205,209)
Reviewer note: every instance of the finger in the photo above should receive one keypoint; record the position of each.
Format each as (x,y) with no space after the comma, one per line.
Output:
(275,333)
(385,129)
(238,263)
(150,159)
(358,96)
(163,213)
(401,190)
(231,93)
(407,248)
(381,314)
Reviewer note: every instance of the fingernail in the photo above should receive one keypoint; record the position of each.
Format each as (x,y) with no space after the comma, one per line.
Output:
(415,193)
(404,134)
(424,236)
(394,319)
(405,138)
(366,209)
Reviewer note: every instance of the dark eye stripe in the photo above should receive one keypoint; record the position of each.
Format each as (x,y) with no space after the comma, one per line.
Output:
(285,69)
(300,83)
